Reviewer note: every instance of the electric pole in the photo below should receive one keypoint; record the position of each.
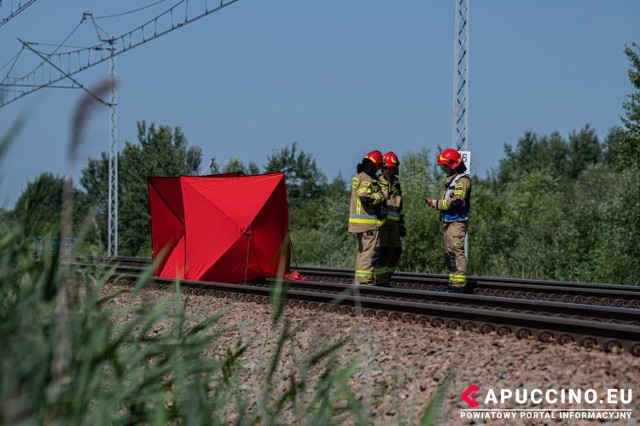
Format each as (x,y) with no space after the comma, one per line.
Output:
(460,70)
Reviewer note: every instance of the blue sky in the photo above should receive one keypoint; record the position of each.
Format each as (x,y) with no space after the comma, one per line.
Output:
(340,77)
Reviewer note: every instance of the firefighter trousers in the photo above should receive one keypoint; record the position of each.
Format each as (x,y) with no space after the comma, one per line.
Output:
(393,252)
(454,254)
(372,248)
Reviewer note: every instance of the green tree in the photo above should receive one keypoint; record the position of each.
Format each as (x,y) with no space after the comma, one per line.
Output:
(614,213)
(585,150)
(303,178)
(161,151)
(625,149)
(540,225)
(422,247)
(592,196)
(41,204)
(562,158)
(237,165)
(39,207)
(317,224)
(533,153)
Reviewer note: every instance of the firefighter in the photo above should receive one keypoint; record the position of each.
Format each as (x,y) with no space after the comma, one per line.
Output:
(395,218)
(454,206)
(367,214)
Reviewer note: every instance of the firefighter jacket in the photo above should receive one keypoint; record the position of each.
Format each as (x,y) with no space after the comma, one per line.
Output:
(394,201)
(455,203)
(367,210)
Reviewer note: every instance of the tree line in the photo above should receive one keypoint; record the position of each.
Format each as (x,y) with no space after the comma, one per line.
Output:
(563,208)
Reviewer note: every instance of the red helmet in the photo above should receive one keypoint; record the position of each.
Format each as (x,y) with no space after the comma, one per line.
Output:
(450,157)
(376,158)
(390,159)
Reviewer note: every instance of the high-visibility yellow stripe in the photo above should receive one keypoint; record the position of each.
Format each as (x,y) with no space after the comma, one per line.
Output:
(364,274)
(458,278)
(364,218)
(366,221)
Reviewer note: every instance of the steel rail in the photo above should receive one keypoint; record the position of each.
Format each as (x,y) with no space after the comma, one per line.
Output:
(588,293)
(426,277)
(558,309)
(589,333)
(624,296)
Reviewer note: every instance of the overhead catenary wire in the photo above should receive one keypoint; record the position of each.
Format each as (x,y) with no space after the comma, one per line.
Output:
(15,13)
(31,74)
(129,12)
(162,24)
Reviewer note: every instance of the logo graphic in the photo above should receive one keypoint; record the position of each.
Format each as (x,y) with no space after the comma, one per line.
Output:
(469,396)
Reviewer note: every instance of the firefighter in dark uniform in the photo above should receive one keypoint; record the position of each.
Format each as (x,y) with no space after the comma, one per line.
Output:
(395,218)
(367,213)
(454,206)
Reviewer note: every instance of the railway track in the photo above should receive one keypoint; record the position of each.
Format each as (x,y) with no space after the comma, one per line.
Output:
(597,316)
(623,296)
(559,291)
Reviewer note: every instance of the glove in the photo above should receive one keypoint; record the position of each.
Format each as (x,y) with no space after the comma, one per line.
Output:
(403,231)
(381,211)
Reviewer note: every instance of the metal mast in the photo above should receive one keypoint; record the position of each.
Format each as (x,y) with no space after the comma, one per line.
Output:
(113,158)
(460,92)
(112,208)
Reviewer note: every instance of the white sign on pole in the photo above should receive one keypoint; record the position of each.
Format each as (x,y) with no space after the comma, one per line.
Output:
(466,159)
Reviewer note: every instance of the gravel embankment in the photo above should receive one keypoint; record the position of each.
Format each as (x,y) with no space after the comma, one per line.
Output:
(403,365)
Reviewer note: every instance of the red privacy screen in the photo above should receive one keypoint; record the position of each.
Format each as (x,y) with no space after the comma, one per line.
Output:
(224,228)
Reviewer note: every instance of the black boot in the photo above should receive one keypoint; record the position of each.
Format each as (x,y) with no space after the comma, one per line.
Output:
(455,289)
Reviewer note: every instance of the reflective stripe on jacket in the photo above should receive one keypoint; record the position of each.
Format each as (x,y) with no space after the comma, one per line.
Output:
(394,201)
(456,199)
(366,210)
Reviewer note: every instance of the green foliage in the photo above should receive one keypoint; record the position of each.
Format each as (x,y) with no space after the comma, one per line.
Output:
(40,204)
(548,212)
(318,229)
(585,150)
(486,238)
(237,165)
(625,147)
(422,247)
(303,178)
(562,158)
(159,152)
(613,215)
(534,229)
(541,226)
